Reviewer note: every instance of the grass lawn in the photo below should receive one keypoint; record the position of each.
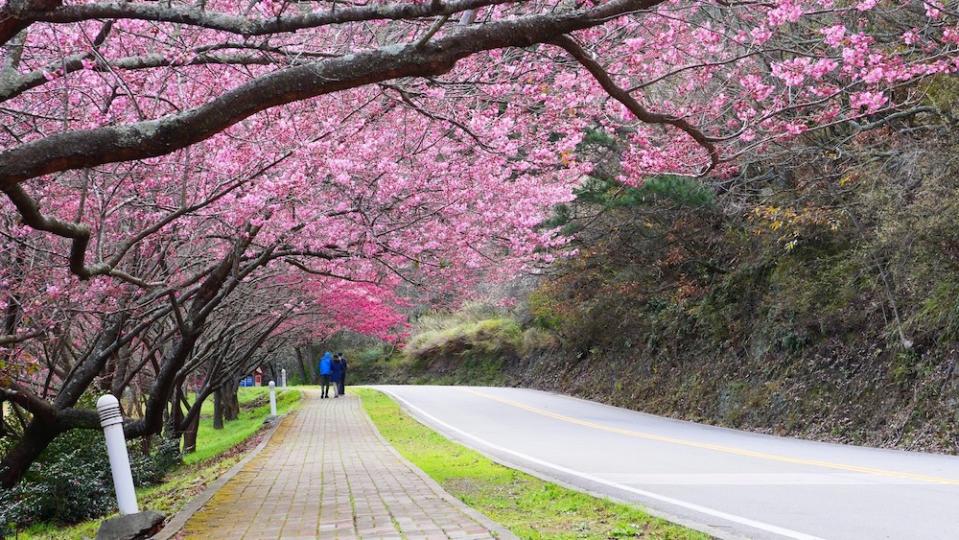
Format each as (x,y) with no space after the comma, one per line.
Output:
(254,407)
(213,457)
(529,507)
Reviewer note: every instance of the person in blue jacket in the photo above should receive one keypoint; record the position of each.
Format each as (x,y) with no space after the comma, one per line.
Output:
(339,371)
(326,371)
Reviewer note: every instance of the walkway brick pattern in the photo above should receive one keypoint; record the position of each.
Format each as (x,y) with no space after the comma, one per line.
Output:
(326,474)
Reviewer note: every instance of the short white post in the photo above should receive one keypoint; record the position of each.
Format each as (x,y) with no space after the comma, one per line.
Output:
(112,421)
(283,378)
(272,398)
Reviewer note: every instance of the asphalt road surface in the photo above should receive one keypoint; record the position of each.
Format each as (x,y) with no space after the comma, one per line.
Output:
(728,483)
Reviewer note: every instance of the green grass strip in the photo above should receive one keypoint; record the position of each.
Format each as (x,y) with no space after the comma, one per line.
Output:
(529,507)
(213,442)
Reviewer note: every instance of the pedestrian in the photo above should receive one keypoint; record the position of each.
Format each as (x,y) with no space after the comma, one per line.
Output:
(342,380)
(337,374)
(326,371)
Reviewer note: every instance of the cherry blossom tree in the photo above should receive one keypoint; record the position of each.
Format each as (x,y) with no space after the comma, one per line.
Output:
(342,242)
(172,171)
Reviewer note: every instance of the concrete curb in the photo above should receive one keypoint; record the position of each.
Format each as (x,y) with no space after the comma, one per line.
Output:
(500,531)
(176,524)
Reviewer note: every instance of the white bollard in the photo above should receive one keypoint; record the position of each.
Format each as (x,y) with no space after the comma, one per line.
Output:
(272,398)
(112,421)
(283,378)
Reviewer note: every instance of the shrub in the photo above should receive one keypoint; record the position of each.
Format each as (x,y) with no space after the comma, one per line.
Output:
(71,480)
(372,364)
(493,336)
(536,339)
(151,469)
(545,309)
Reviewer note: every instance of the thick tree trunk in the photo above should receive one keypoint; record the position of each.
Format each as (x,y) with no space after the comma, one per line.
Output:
(171,428)
(35,439)
(218,408)
(231,402)
(210,294)
(273,375)
(190,435)
(301,361)
(121,365)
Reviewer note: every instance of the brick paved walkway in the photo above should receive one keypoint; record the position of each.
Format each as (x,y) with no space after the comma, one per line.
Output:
(326,474)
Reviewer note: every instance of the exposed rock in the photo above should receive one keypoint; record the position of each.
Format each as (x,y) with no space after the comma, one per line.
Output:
(139,526)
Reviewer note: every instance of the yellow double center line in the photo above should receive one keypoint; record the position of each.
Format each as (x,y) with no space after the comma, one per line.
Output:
(720,448)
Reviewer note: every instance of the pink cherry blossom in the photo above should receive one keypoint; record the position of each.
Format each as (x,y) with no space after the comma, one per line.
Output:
(867,102)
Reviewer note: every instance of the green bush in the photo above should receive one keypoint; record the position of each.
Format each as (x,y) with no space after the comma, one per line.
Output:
(493,336)
(536,339)
(151,469)
(71,481)
(609,194)
(545,310)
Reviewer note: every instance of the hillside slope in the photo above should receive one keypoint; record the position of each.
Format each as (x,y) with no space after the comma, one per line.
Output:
(819,300)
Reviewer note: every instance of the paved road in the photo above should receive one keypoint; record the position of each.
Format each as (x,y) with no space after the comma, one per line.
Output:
(326,474)
(730,483)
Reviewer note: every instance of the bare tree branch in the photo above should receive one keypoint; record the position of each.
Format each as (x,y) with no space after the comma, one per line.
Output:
(621,95)
(87,148)
(13,338)
(17,15)
(77,232)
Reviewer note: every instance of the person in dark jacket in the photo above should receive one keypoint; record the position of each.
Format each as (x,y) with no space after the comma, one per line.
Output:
(337,375)
(341,382)
(325,368)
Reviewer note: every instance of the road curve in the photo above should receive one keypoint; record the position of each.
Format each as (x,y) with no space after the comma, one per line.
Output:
(729,483)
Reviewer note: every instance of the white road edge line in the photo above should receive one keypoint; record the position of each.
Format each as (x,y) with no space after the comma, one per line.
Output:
(788,533)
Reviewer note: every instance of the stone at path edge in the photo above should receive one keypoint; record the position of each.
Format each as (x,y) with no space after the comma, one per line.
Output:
(137,526)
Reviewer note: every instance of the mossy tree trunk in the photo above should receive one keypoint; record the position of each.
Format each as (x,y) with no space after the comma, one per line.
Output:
(190,435)
(231,402)
(218,408)
(304,370)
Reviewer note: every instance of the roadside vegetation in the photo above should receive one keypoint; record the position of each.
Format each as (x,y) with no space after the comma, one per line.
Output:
(817,299)
(475,344)
(254,407)
(529,507)
(74,493)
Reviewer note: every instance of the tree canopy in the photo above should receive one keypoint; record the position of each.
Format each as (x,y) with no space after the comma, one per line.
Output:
(192,186)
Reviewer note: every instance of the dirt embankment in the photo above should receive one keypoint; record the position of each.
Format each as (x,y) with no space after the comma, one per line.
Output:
(854,396)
